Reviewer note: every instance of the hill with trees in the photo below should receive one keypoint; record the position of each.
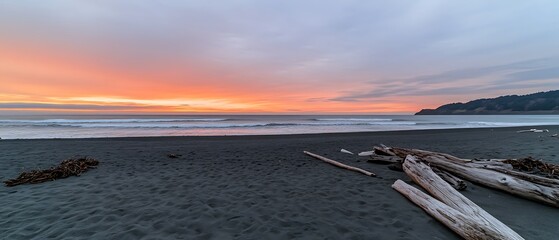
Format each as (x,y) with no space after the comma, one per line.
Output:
(536,103)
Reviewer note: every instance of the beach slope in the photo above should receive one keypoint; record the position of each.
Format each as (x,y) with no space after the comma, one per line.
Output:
(251,187)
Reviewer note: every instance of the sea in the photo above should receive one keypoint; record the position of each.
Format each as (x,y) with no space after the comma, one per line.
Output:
(97,126)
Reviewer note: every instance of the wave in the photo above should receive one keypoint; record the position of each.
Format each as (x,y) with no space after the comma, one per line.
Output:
(326,124)
(144,120)
(342,123)
(474,124)
(191,125)
(354,119)
(439,123)
(502,124)
(478,124)
(122,126)
(223,123)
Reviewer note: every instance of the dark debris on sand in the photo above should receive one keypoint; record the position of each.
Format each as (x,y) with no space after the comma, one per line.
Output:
(534,166)
(173,155)
(68,167)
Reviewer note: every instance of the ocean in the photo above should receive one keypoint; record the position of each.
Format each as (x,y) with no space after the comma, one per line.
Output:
(94,126)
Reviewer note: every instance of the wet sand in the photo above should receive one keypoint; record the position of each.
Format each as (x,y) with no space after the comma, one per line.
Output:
(252,187)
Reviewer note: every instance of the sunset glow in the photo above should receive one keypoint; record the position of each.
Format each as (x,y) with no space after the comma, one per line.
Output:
(200,58)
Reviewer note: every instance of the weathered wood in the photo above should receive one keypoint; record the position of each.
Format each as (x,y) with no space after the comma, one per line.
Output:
(346,151)
(482,163)
(366,153)
(460,223)
(454,181)
(339,164)
(525,176)
(493,173)
(498,180)
(384,159)
(404,152)
(385,151)
(423,175)
(396,165)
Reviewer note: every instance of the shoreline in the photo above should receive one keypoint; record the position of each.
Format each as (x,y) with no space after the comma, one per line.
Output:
(252,187)
(296,134)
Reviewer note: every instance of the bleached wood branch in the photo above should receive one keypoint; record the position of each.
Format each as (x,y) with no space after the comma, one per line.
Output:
(346,151)
(339,164)
(367,153)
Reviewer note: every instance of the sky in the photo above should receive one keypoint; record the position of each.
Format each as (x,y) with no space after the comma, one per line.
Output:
(294,57)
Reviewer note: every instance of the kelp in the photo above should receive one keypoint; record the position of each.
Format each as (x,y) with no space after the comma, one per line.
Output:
(67,168)
(534,166)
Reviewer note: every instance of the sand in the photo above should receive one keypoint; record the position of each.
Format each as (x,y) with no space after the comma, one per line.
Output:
(251,187)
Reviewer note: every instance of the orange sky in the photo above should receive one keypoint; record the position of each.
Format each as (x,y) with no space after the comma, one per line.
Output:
(40,75)
(261,57)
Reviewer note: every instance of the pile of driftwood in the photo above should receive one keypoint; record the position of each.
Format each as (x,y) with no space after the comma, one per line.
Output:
(441,175)
(526,177)
(69,167)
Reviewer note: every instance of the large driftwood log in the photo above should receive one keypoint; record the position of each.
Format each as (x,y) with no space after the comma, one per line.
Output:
(339,164)
(493,173)
(526,176)
(422,174)
(501,181)
(458,222)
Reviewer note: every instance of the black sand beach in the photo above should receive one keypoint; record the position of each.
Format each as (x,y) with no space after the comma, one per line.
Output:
(252,187)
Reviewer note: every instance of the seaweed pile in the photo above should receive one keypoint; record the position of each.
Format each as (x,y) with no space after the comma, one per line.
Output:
(67,168)
(534,166)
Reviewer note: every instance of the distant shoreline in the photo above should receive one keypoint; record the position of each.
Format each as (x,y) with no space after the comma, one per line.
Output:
(328,134)
(426,112)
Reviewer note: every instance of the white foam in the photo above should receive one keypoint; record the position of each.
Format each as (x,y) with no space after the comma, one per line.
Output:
(354,119)
(132,120)
(248,125)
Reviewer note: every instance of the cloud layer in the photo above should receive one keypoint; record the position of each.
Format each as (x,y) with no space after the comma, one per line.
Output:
(278,56)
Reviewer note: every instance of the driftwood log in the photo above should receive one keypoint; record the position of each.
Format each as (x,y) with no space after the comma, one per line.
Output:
(460,223)
(503,174)
(384,159)
(69,167)
(339,164)
(384,155)
(423,175)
